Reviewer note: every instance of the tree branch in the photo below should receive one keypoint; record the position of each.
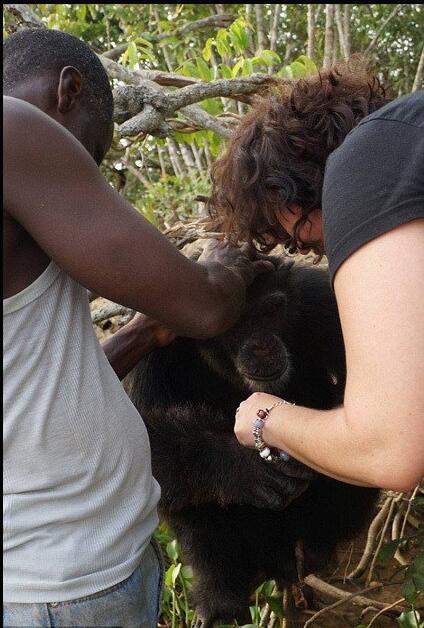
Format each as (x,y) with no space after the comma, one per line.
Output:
(419,76)
(26,18)
(143,108)
(381,29)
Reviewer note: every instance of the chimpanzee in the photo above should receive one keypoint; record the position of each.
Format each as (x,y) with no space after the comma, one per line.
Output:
(241,520)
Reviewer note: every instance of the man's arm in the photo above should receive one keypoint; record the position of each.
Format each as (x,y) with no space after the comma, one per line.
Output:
(53,188)
(377,437)
(128,345)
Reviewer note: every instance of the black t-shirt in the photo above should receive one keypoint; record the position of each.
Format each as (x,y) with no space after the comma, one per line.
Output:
(374,181)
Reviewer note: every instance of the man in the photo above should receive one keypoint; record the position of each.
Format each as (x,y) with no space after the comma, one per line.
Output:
(80,500)
(329,164)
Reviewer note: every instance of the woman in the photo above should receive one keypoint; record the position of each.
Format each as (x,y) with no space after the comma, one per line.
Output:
(328,164)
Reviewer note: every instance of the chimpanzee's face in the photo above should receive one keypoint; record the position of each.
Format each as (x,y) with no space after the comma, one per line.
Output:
(255,353)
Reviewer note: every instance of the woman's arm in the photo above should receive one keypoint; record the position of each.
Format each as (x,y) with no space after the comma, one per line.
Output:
(377,437)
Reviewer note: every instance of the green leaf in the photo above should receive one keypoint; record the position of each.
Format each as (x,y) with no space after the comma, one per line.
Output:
(144,42)
(270,57)
(410,619)
(226,71)
(203,69)
(172,550)
(389,550)
(276,605)
(212,106)
(130,56)
(82,12)
(222,45)
(247,67)
(168,41)
(207,50)
(175,573)
(188,69)
(237,67)
(168,576)
(187,572)
(310,66)
(298,70)
(285,72)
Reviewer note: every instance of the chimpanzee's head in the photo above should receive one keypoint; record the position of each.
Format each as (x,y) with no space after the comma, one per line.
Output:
(288,341)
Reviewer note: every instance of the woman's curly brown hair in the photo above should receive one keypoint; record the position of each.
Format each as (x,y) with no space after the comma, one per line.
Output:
(277,155)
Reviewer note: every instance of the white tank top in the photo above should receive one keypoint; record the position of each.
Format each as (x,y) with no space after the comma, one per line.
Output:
(79,497)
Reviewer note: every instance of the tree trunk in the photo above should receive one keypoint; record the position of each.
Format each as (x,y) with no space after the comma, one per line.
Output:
(311,31)
(419,76)
(197,157)
(346,29)
(174,157)
(187,156)
(209,158)
(161,160)
(274,28)
(340,31)
(260,29)
(329,36)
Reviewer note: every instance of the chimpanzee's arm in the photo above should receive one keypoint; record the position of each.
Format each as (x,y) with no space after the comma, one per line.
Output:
(195,465)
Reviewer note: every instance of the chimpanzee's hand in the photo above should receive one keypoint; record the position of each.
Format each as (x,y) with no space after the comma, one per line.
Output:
(244,261)
(268,485)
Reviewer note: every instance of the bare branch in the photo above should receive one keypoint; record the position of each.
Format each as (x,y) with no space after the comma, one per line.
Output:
(213,21)
(205,120)
(381,29)
(143,108)
(356,598)
(419,76)
(220,87)
(373,529)
(161,78)
(103,313)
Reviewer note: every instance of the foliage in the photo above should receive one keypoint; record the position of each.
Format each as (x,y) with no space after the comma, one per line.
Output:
(151,38)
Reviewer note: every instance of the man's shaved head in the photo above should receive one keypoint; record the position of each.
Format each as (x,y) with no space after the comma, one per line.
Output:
(36,52)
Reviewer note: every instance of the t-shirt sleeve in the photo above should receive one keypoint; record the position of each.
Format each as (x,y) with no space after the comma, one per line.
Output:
(373,183)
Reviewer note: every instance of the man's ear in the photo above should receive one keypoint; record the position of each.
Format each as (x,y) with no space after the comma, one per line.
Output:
(69,88)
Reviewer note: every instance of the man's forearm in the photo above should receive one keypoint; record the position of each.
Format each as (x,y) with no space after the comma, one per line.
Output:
(127,346)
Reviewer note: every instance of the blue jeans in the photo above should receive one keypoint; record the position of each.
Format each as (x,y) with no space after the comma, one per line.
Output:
(134,602)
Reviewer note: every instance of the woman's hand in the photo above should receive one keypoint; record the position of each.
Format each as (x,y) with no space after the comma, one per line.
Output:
(246,416)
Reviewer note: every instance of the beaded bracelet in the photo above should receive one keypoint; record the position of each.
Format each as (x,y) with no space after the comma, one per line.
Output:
(265,452)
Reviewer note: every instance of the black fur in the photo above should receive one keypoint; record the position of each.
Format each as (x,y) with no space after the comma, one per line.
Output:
(241,520)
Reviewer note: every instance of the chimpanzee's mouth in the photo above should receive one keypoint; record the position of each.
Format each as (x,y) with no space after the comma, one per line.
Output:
(270,377)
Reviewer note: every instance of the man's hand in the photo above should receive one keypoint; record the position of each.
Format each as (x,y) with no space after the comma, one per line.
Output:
(159,334)
(243,261)
(128,345)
